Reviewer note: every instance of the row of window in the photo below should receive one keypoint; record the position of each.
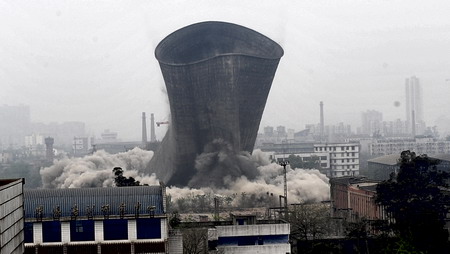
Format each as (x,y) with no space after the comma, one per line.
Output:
(342,155)
(345,173)
(329,148)
(343,166)
(343,161)
(252,240)
(84,230)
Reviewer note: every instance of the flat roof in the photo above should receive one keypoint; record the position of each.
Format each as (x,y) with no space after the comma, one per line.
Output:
(442,156)
(391,159)
(5,182)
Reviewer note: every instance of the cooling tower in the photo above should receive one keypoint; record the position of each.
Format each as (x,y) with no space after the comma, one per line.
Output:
(218,76)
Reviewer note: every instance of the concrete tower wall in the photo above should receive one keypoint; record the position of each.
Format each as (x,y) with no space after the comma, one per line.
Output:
(218,76)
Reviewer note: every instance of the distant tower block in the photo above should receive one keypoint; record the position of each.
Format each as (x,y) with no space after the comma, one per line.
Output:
(322,124)
(218,76)
(152,128)
(144,131)
(49,155)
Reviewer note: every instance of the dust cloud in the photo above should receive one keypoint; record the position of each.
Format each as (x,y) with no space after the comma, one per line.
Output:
(214,167)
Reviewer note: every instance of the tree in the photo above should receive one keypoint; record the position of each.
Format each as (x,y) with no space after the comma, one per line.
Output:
(195,240)
(358,230)
(415,200)
(174,220)
(121,180)
(309,221)
(307,163)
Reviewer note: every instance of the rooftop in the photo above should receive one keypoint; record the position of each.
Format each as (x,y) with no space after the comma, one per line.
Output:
(442,157)
(84,199)
(391,159)
(349,180)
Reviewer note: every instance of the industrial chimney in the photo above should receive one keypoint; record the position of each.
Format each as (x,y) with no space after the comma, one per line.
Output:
(144,131)
(49,155)
(152,128)
(218,76)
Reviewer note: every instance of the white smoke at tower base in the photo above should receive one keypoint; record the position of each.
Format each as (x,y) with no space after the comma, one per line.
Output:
(96,171)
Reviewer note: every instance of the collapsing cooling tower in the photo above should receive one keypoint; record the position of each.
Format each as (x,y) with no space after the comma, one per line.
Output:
(218,76)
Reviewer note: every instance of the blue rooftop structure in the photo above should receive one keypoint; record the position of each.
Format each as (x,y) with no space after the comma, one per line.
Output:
(85,202)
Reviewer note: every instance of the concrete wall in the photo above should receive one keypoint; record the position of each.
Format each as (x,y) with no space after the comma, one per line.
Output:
(260,249)
(253,230)
(11,216)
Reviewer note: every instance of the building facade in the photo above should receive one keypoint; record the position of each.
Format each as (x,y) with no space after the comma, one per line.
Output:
(371,122)
(248,236)
(413,96)
(354,198)
(344,158)
(96,220)
(417,145)
(11,216)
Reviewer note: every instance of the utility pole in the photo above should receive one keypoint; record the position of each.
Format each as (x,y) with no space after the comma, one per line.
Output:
(284,163)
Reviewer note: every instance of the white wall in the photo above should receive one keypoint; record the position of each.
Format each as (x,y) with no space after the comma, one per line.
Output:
(253,230)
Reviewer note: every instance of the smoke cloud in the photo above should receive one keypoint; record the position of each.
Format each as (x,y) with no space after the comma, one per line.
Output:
(219,163)
(266,181)
(96,170)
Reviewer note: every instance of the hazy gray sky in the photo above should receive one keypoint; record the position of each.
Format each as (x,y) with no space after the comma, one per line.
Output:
(93,61)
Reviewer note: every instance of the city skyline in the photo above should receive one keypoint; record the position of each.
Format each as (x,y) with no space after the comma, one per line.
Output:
(95,62)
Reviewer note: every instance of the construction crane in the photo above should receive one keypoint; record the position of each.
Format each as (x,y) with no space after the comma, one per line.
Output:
(159,123)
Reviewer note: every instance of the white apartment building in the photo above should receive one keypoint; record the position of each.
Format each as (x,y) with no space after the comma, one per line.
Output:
(344,158)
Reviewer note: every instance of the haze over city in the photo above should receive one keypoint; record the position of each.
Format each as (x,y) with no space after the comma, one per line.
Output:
(94,61)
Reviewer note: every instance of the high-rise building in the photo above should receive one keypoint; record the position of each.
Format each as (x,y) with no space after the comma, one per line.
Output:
(371,122)
(14,125)
(414,107)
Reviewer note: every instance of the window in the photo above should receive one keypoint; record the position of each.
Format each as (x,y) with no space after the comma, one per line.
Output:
(115,229)
(51,231)
(148,228)
(82,230)
(28,232)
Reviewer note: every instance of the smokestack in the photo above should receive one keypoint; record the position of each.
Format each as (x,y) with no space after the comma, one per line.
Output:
(49,155)
(152,128)
(321,122)
(218,76)
(144,131)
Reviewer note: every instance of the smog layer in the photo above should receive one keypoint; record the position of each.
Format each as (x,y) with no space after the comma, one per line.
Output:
(96,171)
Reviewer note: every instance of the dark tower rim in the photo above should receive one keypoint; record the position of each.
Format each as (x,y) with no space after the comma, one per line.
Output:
(199,42)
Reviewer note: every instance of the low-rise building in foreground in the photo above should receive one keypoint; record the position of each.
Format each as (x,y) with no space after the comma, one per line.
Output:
(96,220)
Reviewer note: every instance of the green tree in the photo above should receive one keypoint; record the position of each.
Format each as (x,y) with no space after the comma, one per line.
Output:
(306,163)
(295,161)
(121,180)
(415,200)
